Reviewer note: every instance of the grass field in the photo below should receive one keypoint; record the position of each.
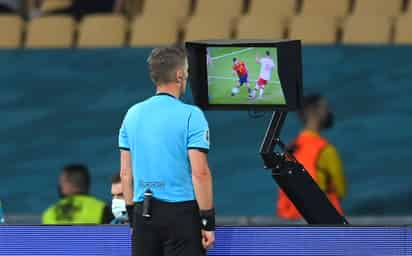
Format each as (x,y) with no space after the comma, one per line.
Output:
(221,79)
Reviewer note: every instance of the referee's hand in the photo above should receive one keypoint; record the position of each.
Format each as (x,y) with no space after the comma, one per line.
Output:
(208,239)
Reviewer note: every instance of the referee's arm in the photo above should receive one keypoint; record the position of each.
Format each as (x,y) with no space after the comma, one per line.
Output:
(126,169)
(202,184)
(126,176)
(202,179)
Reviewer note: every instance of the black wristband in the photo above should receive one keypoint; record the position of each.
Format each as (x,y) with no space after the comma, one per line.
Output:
(207,219)
(129,209)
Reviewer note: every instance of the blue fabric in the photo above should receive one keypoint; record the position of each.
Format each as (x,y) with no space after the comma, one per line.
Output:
(158,132)
(243,79)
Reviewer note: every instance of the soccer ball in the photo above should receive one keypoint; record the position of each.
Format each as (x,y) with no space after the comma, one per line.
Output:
(252,94)
(235,91)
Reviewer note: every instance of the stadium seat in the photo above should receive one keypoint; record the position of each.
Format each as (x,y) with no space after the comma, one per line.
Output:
(334,8)
(367,30)
(389,8)
(10,31)
(52,5)
(198,29)
(218,9)
(314,29)
(403,32)
(102,31)
(50,32)
(176,9)
(270,8)
(144,35)
(260,27)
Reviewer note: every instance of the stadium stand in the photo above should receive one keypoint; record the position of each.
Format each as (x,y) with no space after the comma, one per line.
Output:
(226,10)
(50,32)
(266,19)
(213,19)
(260,27)
(197,28)
(314,29)
(164,17)
(378,7)
(102,31)
(403,32)
(52,5)
(144,35)
(176,9)
(336,8)
(10,31)
(367,30)
(271,8)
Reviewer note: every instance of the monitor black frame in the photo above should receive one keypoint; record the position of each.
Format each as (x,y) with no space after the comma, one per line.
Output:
(289,64)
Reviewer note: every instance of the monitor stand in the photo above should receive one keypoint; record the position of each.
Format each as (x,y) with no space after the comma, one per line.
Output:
(294,180)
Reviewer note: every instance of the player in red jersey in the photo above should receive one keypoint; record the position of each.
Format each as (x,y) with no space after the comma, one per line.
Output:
(240,70)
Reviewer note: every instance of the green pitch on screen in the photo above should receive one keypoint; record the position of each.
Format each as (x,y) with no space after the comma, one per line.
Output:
(221,79)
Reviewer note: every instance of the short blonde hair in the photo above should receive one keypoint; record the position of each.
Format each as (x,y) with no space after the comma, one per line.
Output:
(163,63)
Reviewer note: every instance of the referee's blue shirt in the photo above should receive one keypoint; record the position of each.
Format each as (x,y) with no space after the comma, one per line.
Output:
(159,132)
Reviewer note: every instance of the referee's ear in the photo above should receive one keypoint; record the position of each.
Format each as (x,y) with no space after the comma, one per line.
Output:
(180,76)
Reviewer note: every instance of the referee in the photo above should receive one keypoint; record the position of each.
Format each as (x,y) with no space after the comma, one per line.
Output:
(165,175)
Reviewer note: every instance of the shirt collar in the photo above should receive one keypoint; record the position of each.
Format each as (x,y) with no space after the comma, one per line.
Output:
(166,94)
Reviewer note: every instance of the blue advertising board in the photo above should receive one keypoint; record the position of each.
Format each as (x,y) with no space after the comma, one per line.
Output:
(303,240)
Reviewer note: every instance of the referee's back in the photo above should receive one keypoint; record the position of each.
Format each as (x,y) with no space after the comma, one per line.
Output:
(166,180)
(158,132)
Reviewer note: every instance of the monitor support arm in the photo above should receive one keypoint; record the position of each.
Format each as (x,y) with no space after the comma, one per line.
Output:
(294,180)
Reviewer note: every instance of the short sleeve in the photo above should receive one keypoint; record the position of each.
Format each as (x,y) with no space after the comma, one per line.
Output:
(198,131)
(123,137)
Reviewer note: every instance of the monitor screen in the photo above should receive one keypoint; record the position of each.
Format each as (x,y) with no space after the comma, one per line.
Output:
(243,75)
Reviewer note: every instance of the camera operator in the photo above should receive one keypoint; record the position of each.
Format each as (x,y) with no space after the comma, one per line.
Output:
(165,176)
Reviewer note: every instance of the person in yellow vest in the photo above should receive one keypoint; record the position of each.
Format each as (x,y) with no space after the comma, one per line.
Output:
(317,155)
(76,206)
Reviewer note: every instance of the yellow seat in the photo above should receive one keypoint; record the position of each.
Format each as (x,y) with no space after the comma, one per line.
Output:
(102,31)
(160,32)
(387,8)
(260,27)
(272,8)
(329,8)
(10,31)
(314,29)
(218,9)
(176,9)
(367,30)
(198,29)
(50,32)
(403,32)
(52,5)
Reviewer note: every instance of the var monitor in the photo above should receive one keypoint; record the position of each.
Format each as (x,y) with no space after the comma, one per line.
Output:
(239,75)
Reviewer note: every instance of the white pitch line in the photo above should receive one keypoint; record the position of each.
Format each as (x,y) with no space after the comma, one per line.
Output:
(235,79)
(232,53)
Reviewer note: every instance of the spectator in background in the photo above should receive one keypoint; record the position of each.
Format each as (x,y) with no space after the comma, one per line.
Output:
(76,206)
(10,6)
(79,8)
(118,202)
(317,155)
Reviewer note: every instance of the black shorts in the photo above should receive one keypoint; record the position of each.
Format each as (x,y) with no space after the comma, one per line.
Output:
(172,230)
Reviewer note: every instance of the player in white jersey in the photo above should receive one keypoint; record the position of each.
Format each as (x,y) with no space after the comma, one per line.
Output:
(266,67)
